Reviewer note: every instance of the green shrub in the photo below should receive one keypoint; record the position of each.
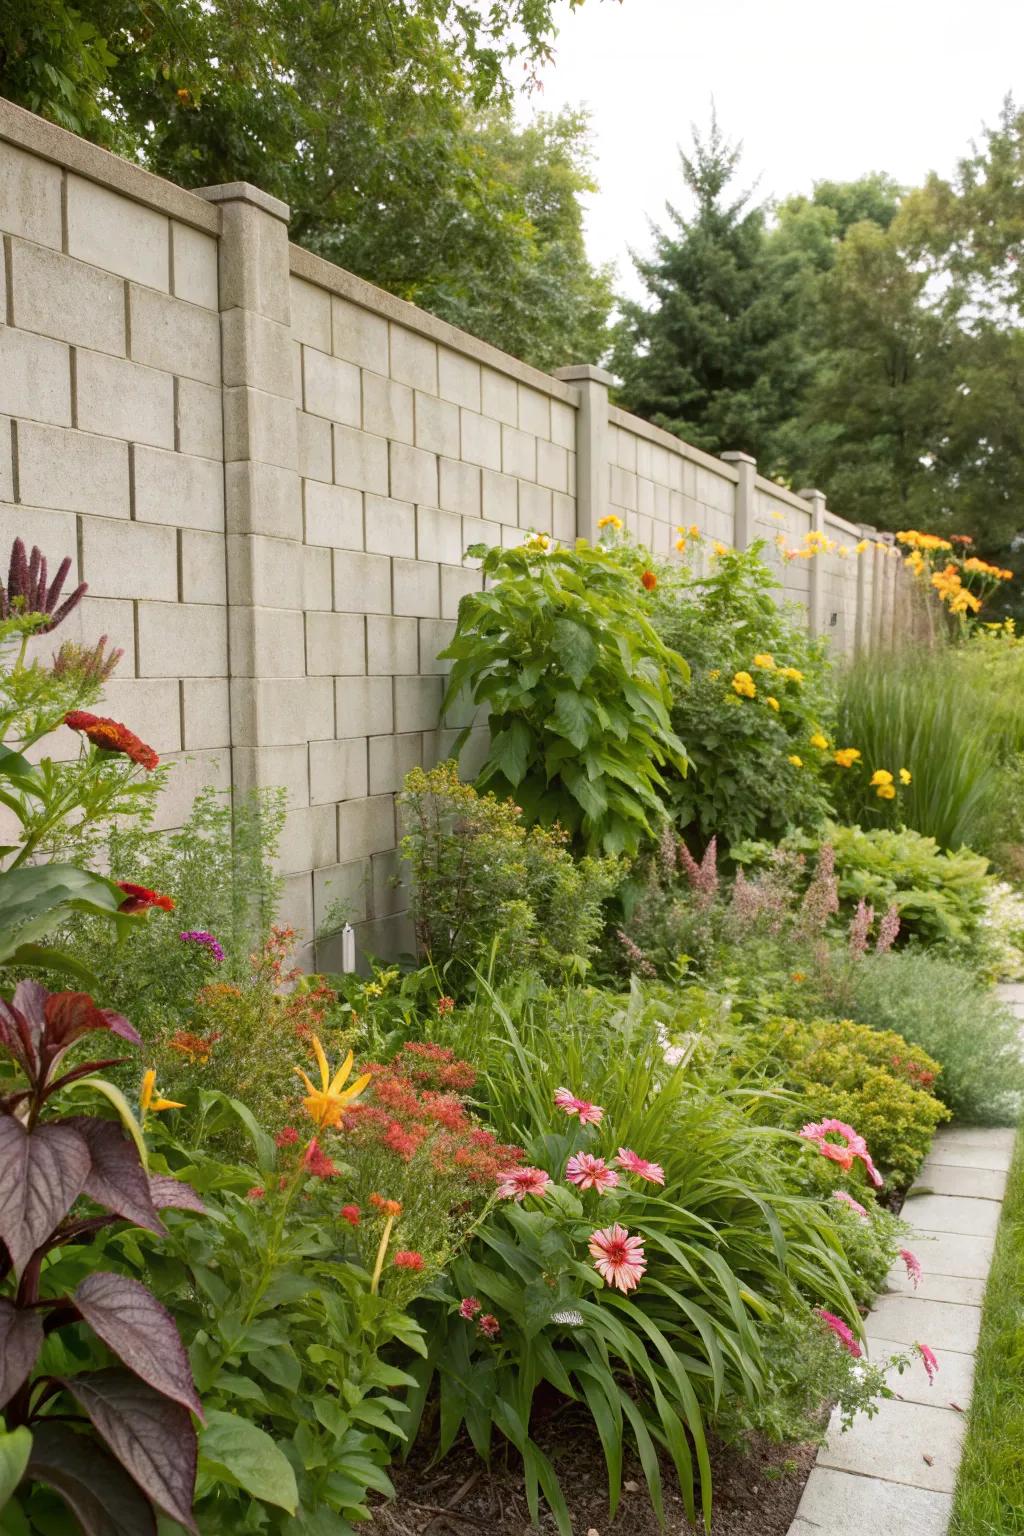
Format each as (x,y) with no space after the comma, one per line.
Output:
(940,896)
(483,881)
(919,709)
(578,685)
(943,1008)
(742,781)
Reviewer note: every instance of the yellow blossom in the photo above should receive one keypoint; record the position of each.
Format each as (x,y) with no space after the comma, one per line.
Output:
(326,1105)
(680,545)
(744,684)
(819,741)
(847,756)
(694,531)
(797,762)
(772,702)
(905,775)
(861,547)
(719,549)
(886,792)
(610,521)
(149,1098)
(763,659)
(792,673)
(714,674)
(880,776)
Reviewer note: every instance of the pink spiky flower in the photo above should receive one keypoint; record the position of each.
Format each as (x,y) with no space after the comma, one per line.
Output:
(517,1183)
(469,1308)
(654,1173)
(913,1264)
(841,1330)
(931,1365)
(854,1205)
(489,1326)
(590,1172)
(618,1258)
(589,1114)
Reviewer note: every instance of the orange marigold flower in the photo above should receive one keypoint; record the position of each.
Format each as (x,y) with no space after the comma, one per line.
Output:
(138,898)
(388,1207)
(197,1048)
(112,736)
(649,581)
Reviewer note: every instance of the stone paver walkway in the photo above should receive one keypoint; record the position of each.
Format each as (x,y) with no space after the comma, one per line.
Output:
(894,1474)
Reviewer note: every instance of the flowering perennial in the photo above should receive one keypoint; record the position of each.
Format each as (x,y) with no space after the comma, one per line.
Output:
(913,1264)
(618,1258)
(112,736)
(589,1114)
(206,940)
(841,1330)
(589,1172)
(139,897)
(632,1163)
(520,1182)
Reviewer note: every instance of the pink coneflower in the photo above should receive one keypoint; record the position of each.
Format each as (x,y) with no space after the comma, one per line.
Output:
(406,1258)
(931,1365)
(590,1173)
(590,1114)
(517,1183)
(654,1173)
(854,1205)
(913,1264)
(841,1330)
(618,1258)
(469,1308)
(489,1326)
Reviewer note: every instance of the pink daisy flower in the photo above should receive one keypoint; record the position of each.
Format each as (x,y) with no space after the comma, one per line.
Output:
(618,1258)
(841,1330)
(931,1365)
(654,1173)
(913,1264)
(517,1183)
(590,1114)
(854,1205)
(590,1173)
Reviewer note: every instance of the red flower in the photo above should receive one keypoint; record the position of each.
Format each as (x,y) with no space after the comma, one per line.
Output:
(256,1193)
(445,1005)
(648,581)
(112,736)
(405,1258)
(139,897)
(841,1330)
(352,1214)
(319,1164)
(286,1138)
(469,1307)
(489,1326)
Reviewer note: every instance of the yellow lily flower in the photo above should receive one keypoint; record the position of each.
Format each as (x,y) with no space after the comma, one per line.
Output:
(149,1099)
(326,1105)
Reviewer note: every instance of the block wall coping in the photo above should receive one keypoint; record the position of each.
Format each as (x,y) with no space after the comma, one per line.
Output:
(782,493)
(324,274)
(27,131)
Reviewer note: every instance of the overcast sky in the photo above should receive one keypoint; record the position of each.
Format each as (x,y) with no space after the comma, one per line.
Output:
(814,89)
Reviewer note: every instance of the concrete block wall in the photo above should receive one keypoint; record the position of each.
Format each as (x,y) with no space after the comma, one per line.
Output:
(269,472)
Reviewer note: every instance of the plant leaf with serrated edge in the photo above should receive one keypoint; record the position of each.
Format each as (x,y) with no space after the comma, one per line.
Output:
(250,1459)
(140,1332)
(21,1339)
(99,1492)
(42,1173)
(117,1180)
(510,750)
(151,1437)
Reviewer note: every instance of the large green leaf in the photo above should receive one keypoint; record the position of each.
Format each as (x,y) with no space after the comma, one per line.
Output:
(238,1452)
(32,899)
(15,1449)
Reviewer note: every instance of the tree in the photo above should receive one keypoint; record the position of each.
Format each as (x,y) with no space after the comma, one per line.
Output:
(715,358)
(384,124)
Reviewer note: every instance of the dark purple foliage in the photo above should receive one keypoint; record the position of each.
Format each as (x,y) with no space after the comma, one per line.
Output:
(28,590)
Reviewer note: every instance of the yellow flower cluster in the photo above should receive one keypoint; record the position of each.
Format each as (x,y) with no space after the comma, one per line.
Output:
(951,590)
(692,532)
(881,781)
(847,756)
(610,521)
(984,569)
(818,543)
(744,685)
(922,541)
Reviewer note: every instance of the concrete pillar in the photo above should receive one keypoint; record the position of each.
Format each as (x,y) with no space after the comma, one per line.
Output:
(816,595)
(865,594)
(593,463)
(743,515)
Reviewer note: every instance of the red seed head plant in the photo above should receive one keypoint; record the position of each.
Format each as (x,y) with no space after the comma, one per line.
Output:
(116,1443)
(29,592)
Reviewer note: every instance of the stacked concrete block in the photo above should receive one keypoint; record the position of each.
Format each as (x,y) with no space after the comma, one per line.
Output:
(110,290)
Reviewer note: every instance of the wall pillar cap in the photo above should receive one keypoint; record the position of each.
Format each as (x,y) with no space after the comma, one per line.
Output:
(810,494)
(245,192)
(733,456)
(579,372)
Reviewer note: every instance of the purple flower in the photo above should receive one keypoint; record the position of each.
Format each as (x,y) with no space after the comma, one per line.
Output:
(200,936)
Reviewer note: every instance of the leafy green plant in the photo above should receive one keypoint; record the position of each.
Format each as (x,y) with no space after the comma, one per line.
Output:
(919,710)
(483,882)
(760,689)
(945,1009)
(578,684)
(115,1441)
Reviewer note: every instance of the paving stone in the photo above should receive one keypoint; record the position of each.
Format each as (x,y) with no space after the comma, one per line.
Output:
(949,1253)
(896,1441)
(999,1136)
(953,1155)
(841,1504)
(953,1213)
(953,1380)
(937,1178)
(968,1290)
(939,1324)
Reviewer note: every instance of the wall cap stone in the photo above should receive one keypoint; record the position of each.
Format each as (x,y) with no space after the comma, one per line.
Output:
(733,456)
(245,192)
(324,274)
(639,428)
(577,372)
(781,493)
(27,131)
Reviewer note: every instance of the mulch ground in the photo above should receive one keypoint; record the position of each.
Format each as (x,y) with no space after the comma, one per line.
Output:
(756,1493)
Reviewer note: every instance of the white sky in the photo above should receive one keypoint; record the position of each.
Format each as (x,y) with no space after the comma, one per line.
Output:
(815,89)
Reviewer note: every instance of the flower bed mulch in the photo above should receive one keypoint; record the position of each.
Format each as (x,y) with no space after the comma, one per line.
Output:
(755,1494)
